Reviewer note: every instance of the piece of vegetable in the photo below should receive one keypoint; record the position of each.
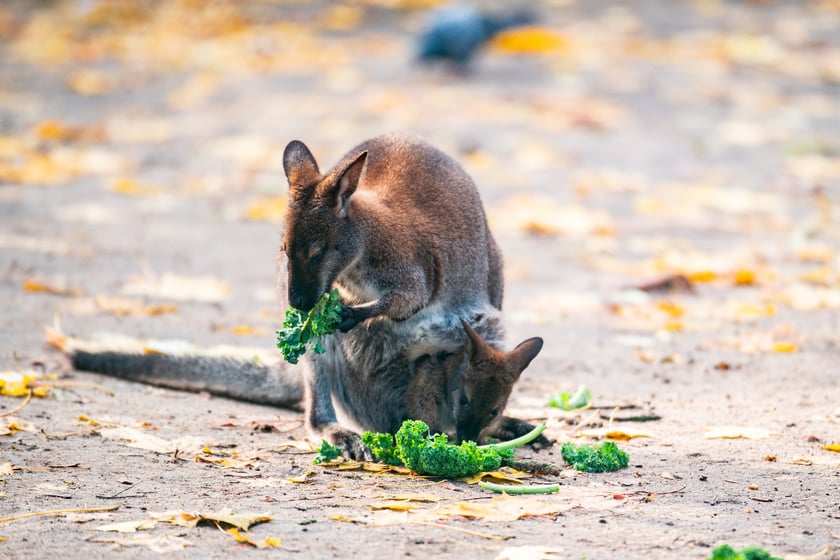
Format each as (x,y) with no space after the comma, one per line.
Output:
(571,401)
(432,454)
(327,453)
(726,552)
(600,458)
(524,489)
(304,330)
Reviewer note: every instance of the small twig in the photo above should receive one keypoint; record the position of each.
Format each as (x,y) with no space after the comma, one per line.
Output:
(57,512)
(652,493)
(639,418)
(460,530)
(18,407)
(113,496)
(63,384)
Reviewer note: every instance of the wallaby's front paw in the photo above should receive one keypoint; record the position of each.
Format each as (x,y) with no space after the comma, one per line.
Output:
(351,445)
(349,319)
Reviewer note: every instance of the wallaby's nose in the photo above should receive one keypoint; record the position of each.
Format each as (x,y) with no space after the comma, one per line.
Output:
(300,301)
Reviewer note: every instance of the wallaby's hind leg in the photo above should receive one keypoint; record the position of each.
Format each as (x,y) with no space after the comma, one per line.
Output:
(509,428)
(321,420)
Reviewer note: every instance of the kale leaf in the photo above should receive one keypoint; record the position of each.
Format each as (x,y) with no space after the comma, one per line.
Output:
(305,330)
(600,458)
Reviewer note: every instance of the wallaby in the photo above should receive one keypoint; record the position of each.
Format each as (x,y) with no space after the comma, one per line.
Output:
(398,227)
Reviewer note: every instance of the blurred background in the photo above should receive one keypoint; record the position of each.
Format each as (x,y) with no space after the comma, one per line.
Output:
(612,142)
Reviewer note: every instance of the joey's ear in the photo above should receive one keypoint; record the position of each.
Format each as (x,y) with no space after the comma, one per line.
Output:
(300,165)
(475,344)
(518,359)
(348,180)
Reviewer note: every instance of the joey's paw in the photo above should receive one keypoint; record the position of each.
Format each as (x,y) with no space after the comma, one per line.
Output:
(349,319)
(541,443)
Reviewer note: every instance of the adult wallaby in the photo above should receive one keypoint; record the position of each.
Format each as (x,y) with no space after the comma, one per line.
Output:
(398,227)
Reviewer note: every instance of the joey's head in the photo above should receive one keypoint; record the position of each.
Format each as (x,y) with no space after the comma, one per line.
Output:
(480,387)
(321,237)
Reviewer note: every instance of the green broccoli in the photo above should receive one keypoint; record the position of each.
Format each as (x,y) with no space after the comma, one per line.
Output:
(424,453)
(327,453)
(726,552)
(600,458)
(301,330)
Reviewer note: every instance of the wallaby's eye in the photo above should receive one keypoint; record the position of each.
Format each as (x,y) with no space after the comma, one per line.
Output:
(494,413)
(464,401)
(316,259)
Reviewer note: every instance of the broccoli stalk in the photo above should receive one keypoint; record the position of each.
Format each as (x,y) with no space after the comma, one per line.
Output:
(305,330)
(431,454)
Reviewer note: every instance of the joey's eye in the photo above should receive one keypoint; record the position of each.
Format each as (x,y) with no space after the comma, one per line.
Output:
(464,401)
(494,413)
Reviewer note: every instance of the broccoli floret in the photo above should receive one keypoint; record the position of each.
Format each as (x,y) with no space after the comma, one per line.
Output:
(571,401)
(600,458)
(327,453)
(301,330)
(382,446)
(424,453)
(726,552)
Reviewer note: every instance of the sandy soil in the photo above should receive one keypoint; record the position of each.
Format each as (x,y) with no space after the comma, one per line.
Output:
(699,140)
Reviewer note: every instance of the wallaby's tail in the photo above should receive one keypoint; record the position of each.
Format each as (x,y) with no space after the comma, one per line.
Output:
(253,376)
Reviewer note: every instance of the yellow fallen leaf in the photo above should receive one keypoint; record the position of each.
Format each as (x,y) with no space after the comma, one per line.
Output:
(15,383)
(342,518)
(302,479)
(179,288)
(58,131)
(670,308)
(417,498)
(674,326)
(784,347)
(614,434)
(242,521)
(822,276)
(37,286)
(127,307)
(832,447)
(127,526)
(393,506)
(702,276)
(6,469)
(246,330)
(132,187)
(508,476)
(271,209)
(530,40)
(736,432)
(89,82)
(9,425)
(296,444)
(743,277)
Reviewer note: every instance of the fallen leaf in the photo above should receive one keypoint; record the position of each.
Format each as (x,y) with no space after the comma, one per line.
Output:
(160,544)
(530,40)
(612,433)
(127,526)
(302,479)
(132,187)
(242,521)
(6,469)
(180,288)
(784,347)
(832,447)
(736,432)
(42,287)
(9,425)
(142,440)
(20,383)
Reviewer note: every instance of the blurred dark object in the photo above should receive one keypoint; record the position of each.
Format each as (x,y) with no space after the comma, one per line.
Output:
(670,283)
(454,33)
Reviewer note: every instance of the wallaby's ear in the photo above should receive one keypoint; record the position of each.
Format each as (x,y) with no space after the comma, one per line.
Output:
(300,165)
(519,358)
(348,180)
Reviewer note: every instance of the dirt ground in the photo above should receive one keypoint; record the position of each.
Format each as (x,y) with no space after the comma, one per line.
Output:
(614,145)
